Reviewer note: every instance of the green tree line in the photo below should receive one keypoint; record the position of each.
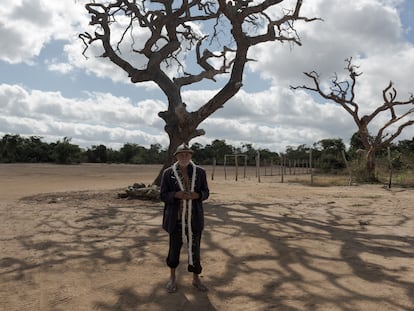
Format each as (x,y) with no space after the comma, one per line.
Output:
(328,152)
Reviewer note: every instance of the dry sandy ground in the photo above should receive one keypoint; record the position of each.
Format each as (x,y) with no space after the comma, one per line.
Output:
(68,243)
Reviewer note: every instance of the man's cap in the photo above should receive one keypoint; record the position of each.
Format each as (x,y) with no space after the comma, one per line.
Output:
(183,148)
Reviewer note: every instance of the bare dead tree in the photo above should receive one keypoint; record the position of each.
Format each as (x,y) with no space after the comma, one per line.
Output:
(172,34)
(343,93)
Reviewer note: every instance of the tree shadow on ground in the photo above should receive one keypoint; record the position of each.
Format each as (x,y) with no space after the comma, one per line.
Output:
(129,300)
(275,256)
(115,237)
(298,243)
(99,235)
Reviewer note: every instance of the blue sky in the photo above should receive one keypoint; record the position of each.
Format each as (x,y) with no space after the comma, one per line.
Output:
(48,89)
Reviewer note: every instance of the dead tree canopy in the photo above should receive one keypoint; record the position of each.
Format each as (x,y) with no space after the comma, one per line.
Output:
(178,43)
(400,113)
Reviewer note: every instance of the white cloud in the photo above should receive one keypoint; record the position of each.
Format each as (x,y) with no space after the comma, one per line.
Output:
(63,68)
(352,29)
(113,119)
(28,25)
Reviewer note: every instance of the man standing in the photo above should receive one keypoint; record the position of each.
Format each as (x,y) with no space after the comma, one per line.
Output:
(183,189)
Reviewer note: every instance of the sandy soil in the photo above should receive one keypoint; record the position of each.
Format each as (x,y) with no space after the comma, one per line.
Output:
(68,243)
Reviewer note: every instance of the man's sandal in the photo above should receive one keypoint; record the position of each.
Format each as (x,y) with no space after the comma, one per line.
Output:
(171,287)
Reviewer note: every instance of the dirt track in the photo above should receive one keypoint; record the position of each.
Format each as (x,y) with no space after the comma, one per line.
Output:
(68,243)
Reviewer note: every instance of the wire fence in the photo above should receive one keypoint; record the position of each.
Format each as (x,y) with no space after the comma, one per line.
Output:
(307,171)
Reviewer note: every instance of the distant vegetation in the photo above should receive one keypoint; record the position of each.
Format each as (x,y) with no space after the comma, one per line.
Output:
(327,154)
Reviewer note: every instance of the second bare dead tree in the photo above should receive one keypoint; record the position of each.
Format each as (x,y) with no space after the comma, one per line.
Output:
(400,113)
(215,35)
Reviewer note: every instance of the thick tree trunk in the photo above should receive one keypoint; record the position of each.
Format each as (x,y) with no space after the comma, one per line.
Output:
(181,127)
(170,159)
(370,166)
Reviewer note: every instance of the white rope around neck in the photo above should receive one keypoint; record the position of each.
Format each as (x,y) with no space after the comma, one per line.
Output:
(190,205)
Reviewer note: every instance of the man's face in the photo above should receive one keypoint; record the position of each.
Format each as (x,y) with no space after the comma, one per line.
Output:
(184,158)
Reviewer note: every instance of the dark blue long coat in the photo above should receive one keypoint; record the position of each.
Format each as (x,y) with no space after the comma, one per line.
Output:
(169,186)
